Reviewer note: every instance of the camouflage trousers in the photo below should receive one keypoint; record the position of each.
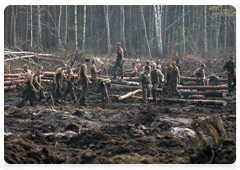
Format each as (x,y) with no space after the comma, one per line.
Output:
(231,78)
(56,91)
(30,95)
(69,90)
(155,89)
(85,88)
(103,93)
(146,92)
(200,83)
(116,65)
(172,88)
(94,83)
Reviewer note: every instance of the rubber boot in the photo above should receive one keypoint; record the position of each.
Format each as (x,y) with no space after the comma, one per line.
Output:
(83,102)
(115,77)
(46,100)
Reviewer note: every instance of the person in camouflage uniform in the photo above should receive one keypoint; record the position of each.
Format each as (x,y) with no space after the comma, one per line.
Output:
(155,81)
(57,85)
(84,82)
(132,72)
(94,73)
(230,68)
(104,86)
(174,80)
(27,74)
(200,75)
(145,83)
(77,82)
(147,64)
(119,62)
(159,67)
(69,88)
(167,76)
(31,91)
(38,85)
(212,80)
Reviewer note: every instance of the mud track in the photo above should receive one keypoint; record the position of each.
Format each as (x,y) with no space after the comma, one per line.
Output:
(68,134)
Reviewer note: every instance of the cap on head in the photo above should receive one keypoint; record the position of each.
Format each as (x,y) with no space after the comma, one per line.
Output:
(231,56)
(133,64)
(147,62)
(25,66)
(118,43)
(93,61)
(147,67)
(87,59)
(79,65)
(40,67)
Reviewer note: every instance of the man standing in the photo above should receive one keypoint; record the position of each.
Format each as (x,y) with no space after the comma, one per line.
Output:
(132,72)
(31,91)
(174,80)
(94,73)
(200,75)
(147,64)
(84,82)
(77,70)
(57,85)
(70,89)
(145,83)
(159,67)
(104,86)
(28,73)
(38,85)
(119,61)
(230,68)
(155,81)
(167,76)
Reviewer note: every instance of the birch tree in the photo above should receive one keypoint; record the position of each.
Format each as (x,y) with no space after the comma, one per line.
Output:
(31,29)
(59,25)
(39,26)
(225,30)
(26,26)
(108,29)
(205,28)
(91,28)
(14,29)
(84,27)
(218,28)
(66,24)
(156,27)
(123,27)
(183,32)
(76,28)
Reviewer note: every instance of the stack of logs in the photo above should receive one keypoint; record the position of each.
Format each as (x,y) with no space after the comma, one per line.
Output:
(128,87)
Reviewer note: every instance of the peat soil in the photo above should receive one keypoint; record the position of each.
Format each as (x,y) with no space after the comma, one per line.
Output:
(123,132)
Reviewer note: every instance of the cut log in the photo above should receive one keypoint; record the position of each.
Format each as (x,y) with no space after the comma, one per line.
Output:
(195,79)
(13,82)
(129,83)
(129,94)
(48,59)
(205,93)
(196,97)
(202,87)
(197,101)
(9,87)
(12,75)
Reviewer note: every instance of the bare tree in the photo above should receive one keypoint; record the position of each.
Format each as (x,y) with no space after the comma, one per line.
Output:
(108,29)
(66,24)
(123,27)
(218,28)
(59,25)
(84,27)
(26,26)
(14,29)
(31,29)
(183,32)
(157,27)
(39,26)
(76,28)
(91,24)
(205,28)
(225,30)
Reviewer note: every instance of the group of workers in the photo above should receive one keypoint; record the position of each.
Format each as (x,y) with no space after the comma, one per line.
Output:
(151,80)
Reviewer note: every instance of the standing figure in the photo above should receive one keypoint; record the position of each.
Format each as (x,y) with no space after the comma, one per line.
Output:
(230,68)
(119,62)
(38,86)
(145,83)
(167,76)
(132,72)
(159,67)
(70,86)
(174,80)
(27,74)
(147,64)
(155,81)
(31,91)
(94,73)
(104,86)
(77,70)
(84,82)
(200,75)
(57,85)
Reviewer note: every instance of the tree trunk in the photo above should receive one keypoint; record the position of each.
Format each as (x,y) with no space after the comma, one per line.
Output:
(55,24)
(197,101)
(205,28)
(145,32)
(192,22)
(39,26)
(66,24)
(26,27)
(59,26)
(225,30)
(218,29)
(123,27)
(156,27)
(11,27)
(165,25)
(76,40)
(91,28)
(125,96)
(108,29)
(130,30)
(140,32)
(205,93)
(183,32)
(14,29)
(84,27)
(160,26)
(48,30)
(31,29)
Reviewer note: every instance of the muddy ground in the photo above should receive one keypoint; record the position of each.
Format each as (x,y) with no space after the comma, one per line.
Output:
(124,132)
